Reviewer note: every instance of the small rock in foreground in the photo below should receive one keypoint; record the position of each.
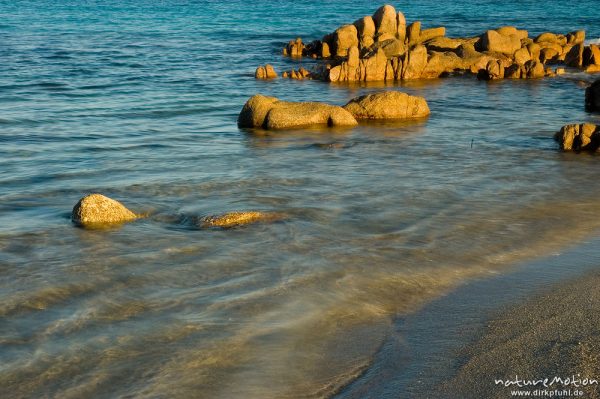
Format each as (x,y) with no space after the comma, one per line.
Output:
(97,210)
(235,219)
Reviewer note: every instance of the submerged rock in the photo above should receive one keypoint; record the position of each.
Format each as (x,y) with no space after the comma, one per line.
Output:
(592,97)
(388,105)
(271,113)
(235,219)
(579,137)
(95,210)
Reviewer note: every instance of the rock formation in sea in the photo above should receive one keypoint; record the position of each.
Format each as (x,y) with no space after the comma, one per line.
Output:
(271,113)
(579,137)
(383,47)
(592,97)
(97,210)
(265,72)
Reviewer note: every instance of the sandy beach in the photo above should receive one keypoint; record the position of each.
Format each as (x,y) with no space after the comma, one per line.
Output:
(554,334)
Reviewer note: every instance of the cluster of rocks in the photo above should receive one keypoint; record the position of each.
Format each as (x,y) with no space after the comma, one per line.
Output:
(271,113)
(383,47)
(579,137)
(300,74)
(98,211)
(265,72)
(268,72)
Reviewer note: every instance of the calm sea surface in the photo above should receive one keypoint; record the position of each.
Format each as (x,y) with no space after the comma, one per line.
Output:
(139,99)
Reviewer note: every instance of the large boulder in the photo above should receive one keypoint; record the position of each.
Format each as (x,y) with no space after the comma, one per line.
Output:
(592,97)
(511,30)
(401,25)
(443,43)
(374,67)
(386,23)
(388,105)
(343,38)
(522,55)
(255,111)
(366,31)
(415,62)
(392,47)
(495,42)
(534,69)
(440,64)
(579,137)
(431,33)
(574,57)
(493,70)
(515,71)
(270,113)
(413,32)
(549,37)
(96,210)
(365,26)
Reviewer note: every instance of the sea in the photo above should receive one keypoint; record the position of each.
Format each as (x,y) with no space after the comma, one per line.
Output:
(138,100)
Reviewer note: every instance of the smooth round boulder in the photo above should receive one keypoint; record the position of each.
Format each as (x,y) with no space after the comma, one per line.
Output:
(95,210)
(271,114)
(388,105)
(385,19)
(255,111)
(290,115)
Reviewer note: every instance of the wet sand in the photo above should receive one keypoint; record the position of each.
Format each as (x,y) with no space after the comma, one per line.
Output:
(521,322)
(554,334)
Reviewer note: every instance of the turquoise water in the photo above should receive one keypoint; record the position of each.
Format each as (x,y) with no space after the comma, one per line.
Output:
(138,100)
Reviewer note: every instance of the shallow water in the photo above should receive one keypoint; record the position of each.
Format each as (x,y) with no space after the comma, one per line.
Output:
(139,101)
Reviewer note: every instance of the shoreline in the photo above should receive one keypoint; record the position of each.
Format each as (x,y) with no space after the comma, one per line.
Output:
(552,335)
(440,351)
